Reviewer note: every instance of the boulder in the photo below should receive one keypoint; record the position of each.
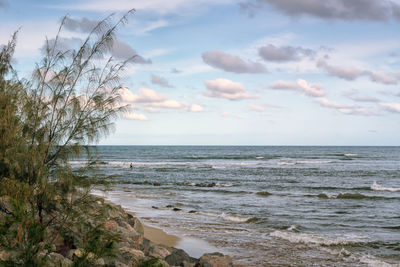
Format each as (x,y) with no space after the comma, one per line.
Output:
(4,255)
(215,260)
(111,225)
(137,225)
(178,257)
(159,252)
(56,259)
(131,255)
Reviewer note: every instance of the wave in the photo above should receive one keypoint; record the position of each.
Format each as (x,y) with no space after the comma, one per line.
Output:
(375,262)
(378,187)
(354,196)
(350,155)
(295,228)
(230,217)
(304,162)
(213,184)
(367,188)
(311,239)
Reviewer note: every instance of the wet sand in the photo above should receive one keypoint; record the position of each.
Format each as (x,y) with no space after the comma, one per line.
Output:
(193,246)
(158,236)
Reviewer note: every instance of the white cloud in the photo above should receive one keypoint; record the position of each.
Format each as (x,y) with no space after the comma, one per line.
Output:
(385,78)
(347,73)
(134,116)
(149,98)
(300,85)
(352,73)
(196,108)
(157,6)
(224,88)
(347,109)
(355,96)
(153,26)
(392,107)
(151,110)
(255,107)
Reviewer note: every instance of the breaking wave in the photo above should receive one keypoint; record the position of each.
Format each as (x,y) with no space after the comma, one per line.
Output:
(378,187)
(311,239)
(230,217)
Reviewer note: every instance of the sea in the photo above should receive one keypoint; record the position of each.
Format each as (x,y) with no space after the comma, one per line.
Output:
(264,205)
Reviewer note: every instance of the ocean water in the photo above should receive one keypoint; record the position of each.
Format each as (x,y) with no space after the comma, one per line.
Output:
(266,206)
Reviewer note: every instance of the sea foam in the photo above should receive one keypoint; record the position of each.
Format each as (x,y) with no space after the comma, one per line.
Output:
(316,239)
(378,187)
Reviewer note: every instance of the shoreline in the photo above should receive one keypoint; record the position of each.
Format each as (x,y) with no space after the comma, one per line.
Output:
(194,247)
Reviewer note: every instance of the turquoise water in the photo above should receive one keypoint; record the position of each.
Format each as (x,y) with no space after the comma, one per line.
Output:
(267,206)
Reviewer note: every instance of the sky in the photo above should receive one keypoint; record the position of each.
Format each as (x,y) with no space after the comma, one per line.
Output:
(237,72)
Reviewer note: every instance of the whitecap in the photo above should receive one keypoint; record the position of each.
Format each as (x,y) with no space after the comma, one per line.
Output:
(227,217)
(375,262)
(223,185)
(350,155)
(317,240)
(378,187)
(287,163)
(304,162)
(218,167)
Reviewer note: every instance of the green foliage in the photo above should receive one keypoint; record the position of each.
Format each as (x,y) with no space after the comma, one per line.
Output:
(69,102)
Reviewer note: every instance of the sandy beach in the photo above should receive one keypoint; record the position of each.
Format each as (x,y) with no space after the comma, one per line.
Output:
(160,237)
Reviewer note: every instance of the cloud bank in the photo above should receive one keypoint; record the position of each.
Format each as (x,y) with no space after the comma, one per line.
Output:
(351,73)
(347,10)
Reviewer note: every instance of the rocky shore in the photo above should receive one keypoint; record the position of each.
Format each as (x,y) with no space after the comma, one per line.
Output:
(132,248)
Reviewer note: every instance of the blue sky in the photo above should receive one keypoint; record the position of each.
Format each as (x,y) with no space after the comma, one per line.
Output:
(239,72)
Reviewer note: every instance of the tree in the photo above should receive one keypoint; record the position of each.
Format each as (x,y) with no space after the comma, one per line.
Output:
(69,103)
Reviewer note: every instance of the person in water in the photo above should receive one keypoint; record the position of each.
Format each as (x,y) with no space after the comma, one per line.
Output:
(131,166)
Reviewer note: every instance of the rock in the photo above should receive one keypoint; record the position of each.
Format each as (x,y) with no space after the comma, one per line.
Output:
(5,256)
(127,226)
(169,206)
(193,211)
(100,262)
(111,225)
(138,226)
(215,260)
(133,256)
(119,264)
(75,253)
(159,252)
(156,262)
(178,257)
(176,209)
(56,259)
(154,207)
